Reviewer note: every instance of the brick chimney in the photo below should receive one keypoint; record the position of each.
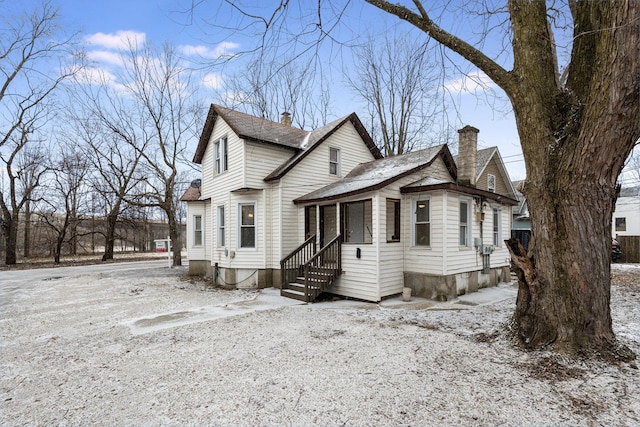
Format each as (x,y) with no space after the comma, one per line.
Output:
(467,153)
(285,119)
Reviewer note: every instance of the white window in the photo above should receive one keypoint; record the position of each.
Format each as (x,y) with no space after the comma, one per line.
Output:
(247,221)
(197,230)
(221,223)
(497,227)
(422,223)
(465,229)
(334,161)
(491,183)
(221,155)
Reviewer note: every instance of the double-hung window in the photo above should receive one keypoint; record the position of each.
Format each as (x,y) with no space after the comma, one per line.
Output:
(422,223)
(465,229)
(221,227)
(197,230)
(496,227)
(334,161)
(221,155)
(247,213)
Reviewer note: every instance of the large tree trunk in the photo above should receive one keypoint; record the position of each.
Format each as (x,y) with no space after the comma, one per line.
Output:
(174,234)
(575,140)
(575,136)
(27,229)
(110,236)
(10,225)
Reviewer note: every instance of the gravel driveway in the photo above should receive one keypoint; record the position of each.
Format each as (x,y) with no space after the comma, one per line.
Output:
(145,345)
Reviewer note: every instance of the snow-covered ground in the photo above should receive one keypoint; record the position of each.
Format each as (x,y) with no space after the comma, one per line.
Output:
(141,344)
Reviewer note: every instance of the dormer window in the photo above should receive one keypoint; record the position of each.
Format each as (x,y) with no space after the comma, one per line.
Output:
(221,155)
(334,161)
(491,183)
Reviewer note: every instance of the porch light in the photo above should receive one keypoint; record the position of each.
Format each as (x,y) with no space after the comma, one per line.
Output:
(421,205)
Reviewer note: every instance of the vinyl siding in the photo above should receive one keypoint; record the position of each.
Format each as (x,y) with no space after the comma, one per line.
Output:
(196,252)
(313,173)
(260,161)
(360,278)
(500,256)
(493,169)
(391,264)
(419,259)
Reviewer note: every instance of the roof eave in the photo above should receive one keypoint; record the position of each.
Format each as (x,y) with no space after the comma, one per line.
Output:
(460,189)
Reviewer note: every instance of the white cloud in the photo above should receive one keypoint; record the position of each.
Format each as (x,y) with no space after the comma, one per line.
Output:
(471,83)
(105,57)
(94,75)
(212,81)
(221,50)
(118,40)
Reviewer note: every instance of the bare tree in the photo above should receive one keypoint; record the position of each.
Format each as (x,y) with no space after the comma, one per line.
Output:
(577,118)
(398,82)
(108,129)
(67,200)
(24,168)
(33,166)
(31,52)
(268,88)
(161,87)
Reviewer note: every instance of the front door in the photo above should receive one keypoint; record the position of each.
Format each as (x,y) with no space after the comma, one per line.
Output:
(328,224)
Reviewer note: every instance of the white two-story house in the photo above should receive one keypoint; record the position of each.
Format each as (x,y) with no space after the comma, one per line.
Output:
(322,211)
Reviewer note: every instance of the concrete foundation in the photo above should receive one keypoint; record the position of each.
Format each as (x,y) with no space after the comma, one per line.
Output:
(445,288)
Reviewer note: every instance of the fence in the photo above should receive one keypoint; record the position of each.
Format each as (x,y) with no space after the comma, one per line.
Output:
(630,246)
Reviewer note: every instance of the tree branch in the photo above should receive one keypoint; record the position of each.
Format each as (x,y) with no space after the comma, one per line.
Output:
(495,72)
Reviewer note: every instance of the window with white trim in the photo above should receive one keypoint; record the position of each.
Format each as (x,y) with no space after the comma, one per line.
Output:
(197,230)
(497,227)
(247,221)
(491,183)
(221,155)
(221,227)
(465,225)
(422,223)
(334,161)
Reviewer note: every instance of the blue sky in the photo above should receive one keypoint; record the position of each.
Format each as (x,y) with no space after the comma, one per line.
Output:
(105,23)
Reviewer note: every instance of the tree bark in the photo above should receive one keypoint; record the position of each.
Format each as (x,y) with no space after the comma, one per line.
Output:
(11,239)
(575,138)
(27,229)
(174,235)
(110,235)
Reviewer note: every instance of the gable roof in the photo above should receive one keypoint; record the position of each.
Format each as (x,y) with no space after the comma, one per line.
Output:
(314,138)
(483,158)
(380,173)
(260,130)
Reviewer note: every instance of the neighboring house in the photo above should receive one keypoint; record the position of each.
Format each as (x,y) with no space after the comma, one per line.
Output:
(521,225)
(521,220)
(626,217)
(321,210)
